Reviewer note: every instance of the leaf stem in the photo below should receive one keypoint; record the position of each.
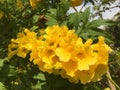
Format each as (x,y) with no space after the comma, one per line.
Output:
(112,82)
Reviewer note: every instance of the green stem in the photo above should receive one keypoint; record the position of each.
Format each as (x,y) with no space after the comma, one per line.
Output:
(110,78)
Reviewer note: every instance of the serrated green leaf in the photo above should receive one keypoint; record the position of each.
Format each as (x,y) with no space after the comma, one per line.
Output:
(94,33)
(86,15)
(97,23)
(62,8)
(52,11)
(98,32)
(74,19)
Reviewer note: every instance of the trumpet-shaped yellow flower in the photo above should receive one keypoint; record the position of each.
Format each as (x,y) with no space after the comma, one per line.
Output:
(60,51)
(22,45)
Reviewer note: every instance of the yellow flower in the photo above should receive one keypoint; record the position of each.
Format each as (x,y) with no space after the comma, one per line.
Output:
(60,51)
(99,71)
(19,4)
(102,50)
(76,2)
(22,45)
(63,54)
(34,3)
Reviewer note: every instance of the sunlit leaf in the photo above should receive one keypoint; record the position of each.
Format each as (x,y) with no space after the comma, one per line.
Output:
(2,87)
(12,71)
(1,63)
(40,76)
(35,18)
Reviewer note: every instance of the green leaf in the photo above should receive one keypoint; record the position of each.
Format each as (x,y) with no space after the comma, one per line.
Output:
(12,71)
(35,18)
(74,19)
(85,35)
(93,34)
(40,76)
(86,15)
(62,8)
(2,87)
(52,11)
(34,28)
(51,21)
(96,32)
(2,62)
(38,85)
(64,23)
(78,31)
(98,22)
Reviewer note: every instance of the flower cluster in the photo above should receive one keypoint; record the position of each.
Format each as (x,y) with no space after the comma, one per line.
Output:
(60,51)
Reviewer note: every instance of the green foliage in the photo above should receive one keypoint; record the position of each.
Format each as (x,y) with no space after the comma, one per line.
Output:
(86,15)
(2,87)
(86,28)
(58,15)
(21,74)
(74,19)
(115,30)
